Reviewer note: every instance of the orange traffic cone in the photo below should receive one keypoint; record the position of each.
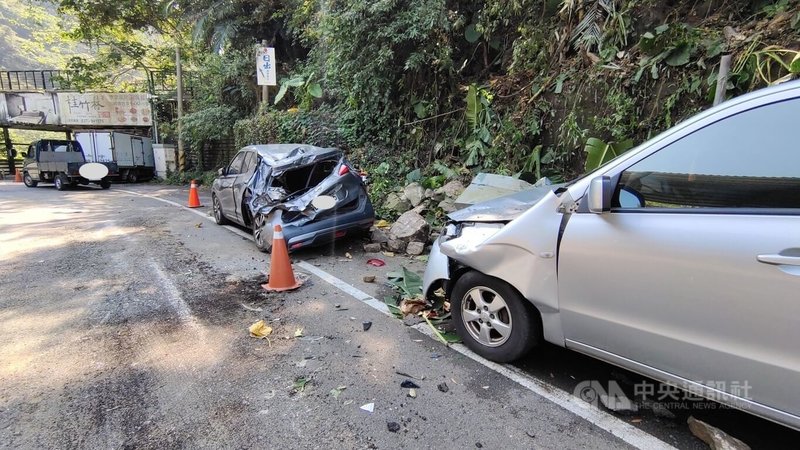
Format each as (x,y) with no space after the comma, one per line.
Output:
(18,176)
(194,199)
(281,276)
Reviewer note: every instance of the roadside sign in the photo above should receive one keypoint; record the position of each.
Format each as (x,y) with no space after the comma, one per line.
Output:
(265,66)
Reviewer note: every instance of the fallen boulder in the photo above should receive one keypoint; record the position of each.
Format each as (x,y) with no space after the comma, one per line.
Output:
(409,227)
(414,193)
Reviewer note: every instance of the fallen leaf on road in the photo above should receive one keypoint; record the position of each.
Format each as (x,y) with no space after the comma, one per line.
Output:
(382,224)
(412,306)
(199,225)
(300,384)
(298,332)
(335,392)
(260,330)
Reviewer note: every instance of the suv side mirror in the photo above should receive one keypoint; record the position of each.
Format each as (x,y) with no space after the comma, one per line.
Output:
(221,172)
(600,192)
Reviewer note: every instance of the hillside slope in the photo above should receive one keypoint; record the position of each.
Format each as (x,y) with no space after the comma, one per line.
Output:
(31,36)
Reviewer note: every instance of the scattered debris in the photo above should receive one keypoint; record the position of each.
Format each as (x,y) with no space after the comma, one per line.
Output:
(394,427)
(250,308)
(661,411)
(376,262)
(348,255)
(714,437)
(335,392)
(369,407)
(389,254)
(422,378)
(443,387)
(412,393)
(435,356)
(408,384)
(337,305)
(260,330)
(382,224)
(298,332)
(412,306)
(478,445)
(530,435)
(198,225)
(369,278)
(366,325)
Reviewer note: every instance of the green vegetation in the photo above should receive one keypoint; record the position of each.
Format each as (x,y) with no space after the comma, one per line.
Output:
(434,89)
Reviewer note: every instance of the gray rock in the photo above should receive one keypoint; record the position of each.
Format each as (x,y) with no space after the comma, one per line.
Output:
(377,235)
(661,411)
(429,193)
(396,203)
(714,437)
(410,226)
(447,205)
(414,193)
(451,190)
(415,248)
(373,247)
(396,245)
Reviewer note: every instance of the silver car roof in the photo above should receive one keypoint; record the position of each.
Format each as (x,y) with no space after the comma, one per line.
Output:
(275,154)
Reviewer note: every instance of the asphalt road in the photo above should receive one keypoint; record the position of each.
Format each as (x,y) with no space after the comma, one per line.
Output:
(123,323)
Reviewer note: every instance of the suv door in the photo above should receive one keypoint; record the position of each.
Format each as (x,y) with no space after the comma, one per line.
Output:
(694,275)
(240,184)
(226,197)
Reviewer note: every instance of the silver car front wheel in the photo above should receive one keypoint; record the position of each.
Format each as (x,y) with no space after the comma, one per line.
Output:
(492,318)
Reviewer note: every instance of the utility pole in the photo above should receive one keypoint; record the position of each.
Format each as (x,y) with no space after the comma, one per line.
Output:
(265,88)
(179,75)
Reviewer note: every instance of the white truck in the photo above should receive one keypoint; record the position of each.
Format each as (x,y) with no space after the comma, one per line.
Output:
(133,154)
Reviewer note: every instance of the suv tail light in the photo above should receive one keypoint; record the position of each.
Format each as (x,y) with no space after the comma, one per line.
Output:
(343,169)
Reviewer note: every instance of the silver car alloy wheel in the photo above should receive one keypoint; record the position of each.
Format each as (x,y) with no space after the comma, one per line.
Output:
(486,316)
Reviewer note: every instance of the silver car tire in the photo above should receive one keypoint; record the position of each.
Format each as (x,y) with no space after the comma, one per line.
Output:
(219,216)
(492,318)
(262,232)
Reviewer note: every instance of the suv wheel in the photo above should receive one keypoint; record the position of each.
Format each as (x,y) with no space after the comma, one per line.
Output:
(219,216)
(492,318)
(262,232)
(61,181)
(28,180)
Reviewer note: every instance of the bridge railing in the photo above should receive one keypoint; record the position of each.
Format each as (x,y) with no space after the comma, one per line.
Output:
(31,80)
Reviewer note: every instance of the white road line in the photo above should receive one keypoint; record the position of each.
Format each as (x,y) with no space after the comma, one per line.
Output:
(233,230)
(353,291)
(619,428)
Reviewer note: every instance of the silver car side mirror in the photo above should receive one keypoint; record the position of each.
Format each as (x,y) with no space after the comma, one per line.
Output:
(600,192)
(221,172)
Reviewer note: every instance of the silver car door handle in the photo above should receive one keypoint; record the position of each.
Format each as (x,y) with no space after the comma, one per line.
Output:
(779,260)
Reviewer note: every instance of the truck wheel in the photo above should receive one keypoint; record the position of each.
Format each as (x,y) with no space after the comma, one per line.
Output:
(492,317)
(28,180)
(132,177)
(105,184)
(61,181)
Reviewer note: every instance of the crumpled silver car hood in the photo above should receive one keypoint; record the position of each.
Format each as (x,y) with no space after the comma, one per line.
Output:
(503,209)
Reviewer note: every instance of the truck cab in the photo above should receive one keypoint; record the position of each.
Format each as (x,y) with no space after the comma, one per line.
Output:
(59,162)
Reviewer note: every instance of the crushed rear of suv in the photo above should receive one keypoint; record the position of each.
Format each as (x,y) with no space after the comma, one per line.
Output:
(273,184)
